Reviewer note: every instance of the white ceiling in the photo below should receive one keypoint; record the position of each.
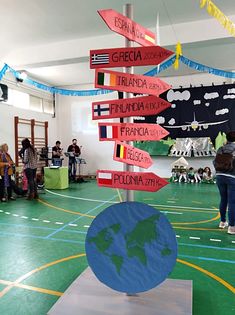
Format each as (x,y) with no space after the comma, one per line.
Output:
(31,30)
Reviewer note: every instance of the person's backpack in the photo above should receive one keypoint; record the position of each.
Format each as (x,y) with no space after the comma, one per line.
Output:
(223,161)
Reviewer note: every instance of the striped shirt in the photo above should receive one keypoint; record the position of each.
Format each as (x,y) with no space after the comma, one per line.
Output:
(30,158)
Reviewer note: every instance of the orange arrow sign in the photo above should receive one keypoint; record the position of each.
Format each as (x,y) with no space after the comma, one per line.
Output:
(132,83)
(128,28)
(127,57)
(137,106)
(127,154)
(131,132)
(130,180)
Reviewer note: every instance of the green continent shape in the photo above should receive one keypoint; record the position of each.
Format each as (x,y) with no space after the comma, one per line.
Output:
(104,239)
(144,232)
(117,261)
(166,251)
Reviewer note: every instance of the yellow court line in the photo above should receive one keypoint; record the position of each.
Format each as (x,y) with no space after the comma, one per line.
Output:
(198,229)
(17,281)
(208,273)
(198,222)
(29,287)
(65,210)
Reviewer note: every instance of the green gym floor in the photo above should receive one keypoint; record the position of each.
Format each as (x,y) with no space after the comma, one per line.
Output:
(42,245)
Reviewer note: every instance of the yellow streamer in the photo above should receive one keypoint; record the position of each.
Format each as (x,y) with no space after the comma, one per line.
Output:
(178,53)
(214,11)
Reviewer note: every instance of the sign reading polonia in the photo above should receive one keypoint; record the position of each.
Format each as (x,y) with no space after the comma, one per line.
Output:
(130,180)
(137,106)
(128,28)
(127,57)
(118,81)
(127,154)
(131,132)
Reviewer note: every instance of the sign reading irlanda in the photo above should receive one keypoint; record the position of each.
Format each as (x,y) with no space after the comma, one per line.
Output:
(132,83)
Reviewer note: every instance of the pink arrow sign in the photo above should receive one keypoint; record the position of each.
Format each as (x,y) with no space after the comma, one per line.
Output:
(127,57)
(130,180)
(131,132)
(128,28)
(127,154)
(137,106)
(132,83)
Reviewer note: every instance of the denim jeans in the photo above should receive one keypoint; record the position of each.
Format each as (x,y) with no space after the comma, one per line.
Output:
(226,185)
(72,168)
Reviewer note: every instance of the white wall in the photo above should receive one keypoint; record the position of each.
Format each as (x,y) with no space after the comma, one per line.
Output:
(7,114)
(73,115)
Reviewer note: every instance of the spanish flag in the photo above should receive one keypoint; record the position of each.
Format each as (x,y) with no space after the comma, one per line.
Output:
(121,151)
(107,79)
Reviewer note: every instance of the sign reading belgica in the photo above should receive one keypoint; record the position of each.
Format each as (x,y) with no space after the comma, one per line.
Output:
(128,28)
(119,81)
(125,153)
(129,180)
(131,132)
(137,106)
(127,57)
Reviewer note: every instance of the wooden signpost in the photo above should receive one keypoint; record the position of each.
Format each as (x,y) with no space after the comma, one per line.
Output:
(130,180)
(124,26)
(131,132)
(137,106)
(125,153)
(127,57)
(119,81)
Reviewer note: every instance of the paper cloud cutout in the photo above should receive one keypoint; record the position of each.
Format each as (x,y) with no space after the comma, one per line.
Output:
(171,121)
(211,96)
(207,104)
(197,102)
(222,111)
(228,96)
(178,96)
(173,105)
(231,91)
(160,120)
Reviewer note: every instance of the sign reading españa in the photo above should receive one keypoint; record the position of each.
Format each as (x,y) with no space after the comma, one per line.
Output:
(130,180)
(118,81)
(122,25)
(127,57)
(131,132)
(127,154)
(137,106)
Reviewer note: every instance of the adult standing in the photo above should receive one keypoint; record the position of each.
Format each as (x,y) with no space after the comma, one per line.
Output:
(30,167)
(57,154)
(225,179)
(74,151)
(6,170)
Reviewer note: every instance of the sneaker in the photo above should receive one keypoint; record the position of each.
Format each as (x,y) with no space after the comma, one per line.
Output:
(223,225)
(231,230)
(4,200)
(12,198)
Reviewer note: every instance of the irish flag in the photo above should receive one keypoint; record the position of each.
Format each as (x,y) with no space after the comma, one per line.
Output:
(104,178)
(107,79)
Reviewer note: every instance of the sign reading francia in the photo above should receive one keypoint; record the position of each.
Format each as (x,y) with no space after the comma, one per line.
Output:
(130,180)
(131,132)
(132,83)
(128,28)
(127,154)
(137,106)
(127,57)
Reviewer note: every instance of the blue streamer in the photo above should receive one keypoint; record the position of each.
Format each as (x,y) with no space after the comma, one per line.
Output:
(190,63)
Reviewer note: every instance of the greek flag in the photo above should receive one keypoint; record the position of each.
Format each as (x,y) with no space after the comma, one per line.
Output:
(99,59)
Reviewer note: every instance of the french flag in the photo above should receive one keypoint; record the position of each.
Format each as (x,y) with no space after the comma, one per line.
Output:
(104,178)
(108,132)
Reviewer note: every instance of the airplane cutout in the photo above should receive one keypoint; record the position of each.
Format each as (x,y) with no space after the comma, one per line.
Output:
(196,124)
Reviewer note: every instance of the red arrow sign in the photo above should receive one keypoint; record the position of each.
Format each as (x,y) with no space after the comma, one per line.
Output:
(137,106)
(130,132)
(130,180)
(132,83)
(127,57)
(128,28)
(127,154)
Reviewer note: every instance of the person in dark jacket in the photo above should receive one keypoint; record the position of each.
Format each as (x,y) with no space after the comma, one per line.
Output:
(226,183)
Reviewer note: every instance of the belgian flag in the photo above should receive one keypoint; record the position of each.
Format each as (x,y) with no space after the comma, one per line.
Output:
(121,151)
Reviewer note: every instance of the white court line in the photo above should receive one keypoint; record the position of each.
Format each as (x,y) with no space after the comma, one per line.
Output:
(23,217)
(194,238)
(171,212)
(72,224)
(112,202)
(177,236)
(46,221)
(233,242)
(214,240)
(7,213)
(35,219)
(15,215)
(59,223)
(1,211)
(86,226)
